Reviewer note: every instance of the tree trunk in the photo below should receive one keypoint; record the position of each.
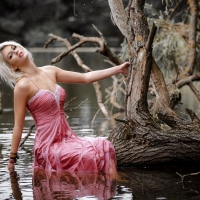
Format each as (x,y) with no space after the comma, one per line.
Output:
(140,140)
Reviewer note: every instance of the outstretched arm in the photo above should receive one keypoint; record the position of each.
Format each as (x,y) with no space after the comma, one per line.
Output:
(74,77)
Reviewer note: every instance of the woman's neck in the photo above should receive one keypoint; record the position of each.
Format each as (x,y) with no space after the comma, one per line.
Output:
(29,68)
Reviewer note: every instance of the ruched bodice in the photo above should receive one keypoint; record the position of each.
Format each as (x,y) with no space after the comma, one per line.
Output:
(56,146)
(46,105)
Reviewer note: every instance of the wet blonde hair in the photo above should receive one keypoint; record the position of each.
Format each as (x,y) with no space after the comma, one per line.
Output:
(7,73)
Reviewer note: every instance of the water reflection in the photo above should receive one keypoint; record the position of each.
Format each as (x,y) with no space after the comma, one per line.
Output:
(151,184)
(16,191)
(66,185)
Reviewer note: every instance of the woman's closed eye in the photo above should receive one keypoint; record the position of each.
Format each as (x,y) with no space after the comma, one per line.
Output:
(13,48)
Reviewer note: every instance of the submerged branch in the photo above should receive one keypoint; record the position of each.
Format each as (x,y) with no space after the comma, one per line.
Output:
(183,176)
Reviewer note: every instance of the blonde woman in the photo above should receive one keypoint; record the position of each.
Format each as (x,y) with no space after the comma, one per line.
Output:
(56,146)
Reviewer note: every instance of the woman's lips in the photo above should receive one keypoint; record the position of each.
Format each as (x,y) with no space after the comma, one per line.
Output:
(21,54)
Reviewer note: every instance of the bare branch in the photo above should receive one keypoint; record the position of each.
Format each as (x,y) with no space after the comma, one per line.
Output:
(67,103)
(183,176)
(151,37)
(187,80)
(86,69)
(28,134)
(119,15)
(192,36)
(193,116)
(195,91)
(48,42)
(122,120)
(71,109)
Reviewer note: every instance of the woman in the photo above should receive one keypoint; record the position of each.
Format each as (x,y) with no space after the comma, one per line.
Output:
(56,146)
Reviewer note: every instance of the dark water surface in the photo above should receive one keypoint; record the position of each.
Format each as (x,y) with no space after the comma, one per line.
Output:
(24,183)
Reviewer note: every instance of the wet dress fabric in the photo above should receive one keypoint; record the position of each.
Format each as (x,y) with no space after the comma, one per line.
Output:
(56,146)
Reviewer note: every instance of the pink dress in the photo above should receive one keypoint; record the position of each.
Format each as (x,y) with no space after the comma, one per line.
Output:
(56,146)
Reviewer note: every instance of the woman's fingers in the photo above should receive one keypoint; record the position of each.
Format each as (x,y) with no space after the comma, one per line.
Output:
(125,67)
(11,167)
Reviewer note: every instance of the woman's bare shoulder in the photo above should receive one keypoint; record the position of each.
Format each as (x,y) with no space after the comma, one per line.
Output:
(48,67)
(50,70)
(22,84)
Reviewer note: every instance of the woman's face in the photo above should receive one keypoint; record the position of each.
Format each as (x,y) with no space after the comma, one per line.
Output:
(14,56)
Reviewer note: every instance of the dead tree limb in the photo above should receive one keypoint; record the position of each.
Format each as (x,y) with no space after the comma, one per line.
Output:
(67,103)
(28,134)
(192,29)
(187,80)
(193,116)
(113,94)
(192,36)
(82,40)
(183,176)
(195,91)
(106,51)
(96,85)
(119,16)
(103,47)
(174,9)
(71,109)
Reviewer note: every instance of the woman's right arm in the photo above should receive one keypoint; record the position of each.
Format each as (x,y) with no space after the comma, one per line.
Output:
(21,94)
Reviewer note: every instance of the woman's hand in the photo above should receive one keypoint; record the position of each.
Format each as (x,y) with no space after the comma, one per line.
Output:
(11,167)
(124,68)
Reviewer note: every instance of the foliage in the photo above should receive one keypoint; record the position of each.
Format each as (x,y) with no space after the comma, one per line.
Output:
(170,47)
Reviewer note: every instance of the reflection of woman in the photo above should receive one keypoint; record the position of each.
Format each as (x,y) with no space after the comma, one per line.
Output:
(15,185)
(71,185)
(56,146)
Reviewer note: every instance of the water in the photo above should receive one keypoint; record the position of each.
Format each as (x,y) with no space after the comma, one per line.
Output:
(24,183)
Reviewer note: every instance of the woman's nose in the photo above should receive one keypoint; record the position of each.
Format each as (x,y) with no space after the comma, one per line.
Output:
(16,51)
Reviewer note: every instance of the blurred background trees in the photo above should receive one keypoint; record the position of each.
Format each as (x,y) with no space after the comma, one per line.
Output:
(30,21)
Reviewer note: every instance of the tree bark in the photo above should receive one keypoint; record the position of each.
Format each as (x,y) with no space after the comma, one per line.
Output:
(192,36)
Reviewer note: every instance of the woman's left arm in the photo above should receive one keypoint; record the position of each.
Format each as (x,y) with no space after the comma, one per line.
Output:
(89,77)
